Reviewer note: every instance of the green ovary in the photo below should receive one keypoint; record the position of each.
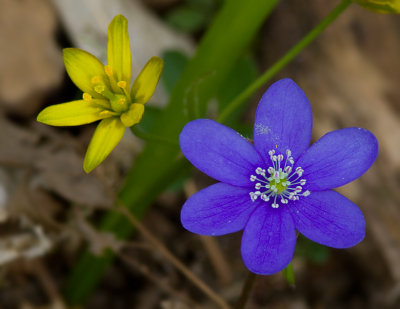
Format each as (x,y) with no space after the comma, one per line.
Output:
(119,103)
(281,186)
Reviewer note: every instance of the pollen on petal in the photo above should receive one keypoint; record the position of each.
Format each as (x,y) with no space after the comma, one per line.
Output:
(96,80)
(99,88)
(86,97)
(121,101)
(108,70)
(122,84)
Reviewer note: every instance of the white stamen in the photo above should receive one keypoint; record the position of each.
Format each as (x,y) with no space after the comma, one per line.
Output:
(280,181)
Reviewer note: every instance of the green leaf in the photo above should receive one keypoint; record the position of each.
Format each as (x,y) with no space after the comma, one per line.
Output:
(175,62)
(203,5)
(244,72)
(186,19)
(312,251)
(288,274)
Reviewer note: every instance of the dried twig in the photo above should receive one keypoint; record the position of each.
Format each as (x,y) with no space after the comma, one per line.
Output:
(170,257)
(217,258)
(154,278)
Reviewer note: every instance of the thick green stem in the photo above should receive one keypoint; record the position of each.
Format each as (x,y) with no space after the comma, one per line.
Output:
(282,62)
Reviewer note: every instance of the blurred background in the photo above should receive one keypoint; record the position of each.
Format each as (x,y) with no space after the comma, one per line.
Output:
(49,206)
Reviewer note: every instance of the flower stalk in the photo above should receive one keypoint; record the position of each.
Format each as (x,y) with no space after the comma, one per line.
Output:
(282,62)
(246,290)
(172,258)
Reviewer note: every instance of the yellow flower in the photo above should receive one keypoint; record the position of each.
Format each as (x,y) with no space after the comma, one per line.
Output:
(381,6)
(106,93)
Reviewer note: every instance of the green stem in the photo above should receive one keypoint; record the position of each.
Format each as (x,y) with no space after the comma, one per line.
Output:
(288,273)
(282,62)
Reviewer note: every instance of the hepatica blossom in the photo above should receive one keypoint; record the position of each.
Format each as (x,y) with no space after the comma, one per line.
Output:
(280,184)
(107,95)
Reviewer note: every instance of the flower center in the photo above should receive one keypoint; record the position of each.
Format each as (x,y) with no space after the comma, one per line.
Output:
(118,95)
(279,183)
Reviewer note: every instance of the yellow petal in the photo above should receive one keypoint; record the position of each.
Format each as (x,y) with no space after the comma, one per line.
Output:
(381,6)
(85,70)
(118,49)
(145,84)
(107,135)
(73,113)
(133,115)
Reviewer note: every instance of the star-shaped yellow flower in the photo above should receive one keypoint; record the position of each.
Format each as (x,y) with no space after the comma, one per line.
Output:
(106,93)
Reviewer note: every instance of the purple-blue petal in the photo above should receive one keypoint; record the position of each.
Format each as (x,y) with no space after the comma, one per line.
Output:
(268,241)
(283,120)
(217,210)
(338,158)
(219,152)
(329,219)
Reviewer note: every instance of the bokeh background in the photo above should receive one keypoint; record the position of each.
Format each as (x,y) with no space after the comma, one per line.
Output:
(49,207)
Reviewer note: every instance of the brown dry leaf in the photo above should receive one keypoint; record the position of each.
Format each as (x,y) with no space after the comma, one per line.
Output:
(30,60)
(60,170)
(28,242)
(55,160)
(35,204)
(98,241)
(54,305)
(174,304)
(18,144)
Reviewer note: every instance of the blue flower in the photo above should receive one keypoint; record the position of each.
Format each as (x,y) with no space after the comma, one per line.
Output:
(280,184)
